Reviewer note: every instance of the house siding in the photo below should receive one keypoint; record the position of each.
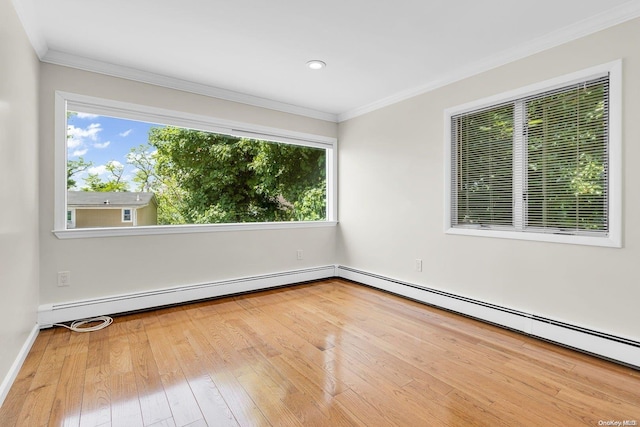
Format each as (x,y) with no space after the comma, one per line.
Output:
(112,217)
(87,218)
(148,215)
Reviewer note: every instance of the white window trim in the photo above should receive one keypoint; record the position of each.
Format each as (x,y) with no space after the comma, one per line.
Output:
(101,106)
(614,236)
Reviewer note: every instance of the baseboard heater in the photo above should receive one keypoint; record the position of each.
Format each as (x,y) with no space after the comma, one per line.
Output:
(48,314)
(607,346)
(619,349)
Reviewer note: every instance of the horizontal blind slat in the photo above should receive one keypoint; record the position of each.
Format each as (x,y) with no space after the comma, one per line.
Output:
(565,169)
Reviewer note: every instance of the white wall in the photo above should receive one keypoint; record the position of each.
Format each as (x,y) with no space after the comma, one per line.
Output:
(391,202)
(18,187)
(117,265)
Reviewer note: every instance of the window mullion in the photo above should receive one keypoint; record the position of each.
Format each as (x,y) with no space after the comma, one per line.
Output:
(519,169)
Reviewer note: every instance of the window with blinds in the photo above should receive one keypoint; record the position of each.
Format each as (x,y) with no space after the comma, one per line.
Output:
(535,164)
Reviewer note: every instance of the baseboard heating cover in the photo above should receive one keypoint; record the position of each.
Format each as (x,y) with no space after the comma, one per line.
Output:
(607,346)
(49,314)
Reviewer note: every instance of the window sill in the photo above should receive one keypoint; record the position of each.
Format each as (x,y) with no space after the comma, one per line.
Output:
(611,241)
(85,233)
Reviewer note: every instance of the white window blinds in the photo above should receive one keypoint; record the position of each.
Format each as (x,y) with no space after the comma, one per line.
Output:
(537,163)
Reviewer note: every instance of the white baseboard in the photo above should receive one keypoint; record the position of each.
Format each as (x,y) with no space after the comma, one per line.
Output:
(608,346)
(48,314)
(8,380)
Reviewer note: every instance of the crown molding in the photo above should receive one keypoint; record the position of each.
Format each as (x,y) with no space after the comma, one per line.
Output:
(74,61)
(25,9)
(610,18)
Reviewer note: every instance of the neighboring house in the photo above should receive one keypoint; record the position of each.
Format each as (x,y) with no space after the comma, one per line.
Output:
(88,209)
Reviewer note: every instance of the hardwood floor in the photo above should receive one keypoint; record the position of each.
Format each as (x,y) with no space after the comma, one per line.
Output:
(330,353)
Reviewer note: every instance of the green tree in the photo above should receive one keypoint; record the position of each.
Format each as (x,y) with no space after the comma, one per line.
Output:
(485,170)
(149,178)
(566,166)
(204,177)
(93,182)
(74,167)
(143,159)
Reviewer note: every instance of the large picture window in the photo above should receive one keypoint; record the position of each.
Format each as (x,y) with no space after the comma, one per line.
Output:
(543,165)
(170,171)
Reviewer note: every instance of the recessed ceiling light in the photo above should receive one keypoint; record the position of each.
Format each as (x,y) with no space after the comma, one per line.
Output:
(316,64)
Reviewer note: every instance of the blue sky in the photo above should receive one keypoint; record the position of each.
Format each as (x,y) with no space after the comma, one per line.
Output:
(102,139)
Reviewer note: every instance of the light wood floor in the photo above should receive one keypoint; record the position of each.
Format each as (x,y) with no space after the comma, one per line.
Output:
(330,353)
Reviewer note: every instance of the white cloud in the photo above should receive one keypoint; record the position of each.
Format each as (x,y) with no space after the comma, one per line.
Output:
(125,133)
(80,152)
(73,142)
(98,170)
(77,136)
(102,144)
(86,116)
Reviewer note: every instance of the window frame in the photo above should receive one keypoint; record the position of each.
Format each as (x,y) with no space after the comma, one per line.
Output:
(614,236)
(71,218)
(124,215)
(126,110)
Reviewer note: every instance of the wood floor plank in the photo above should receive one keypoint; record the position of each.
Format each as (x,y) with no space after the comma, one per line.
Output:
(239,402)
(243,407)
(621,384)
(204,369)
(320,381)
(36,408)
(67,404)
(52,360)
(182,402)
(266,394)
(125,405)
(437,400)
(328,353)
(152,396)
(379,392)
(213,406)
(280,384)
(96,397)
(317,393)
(17,394)
(169,422)
(119,349)
(363,413)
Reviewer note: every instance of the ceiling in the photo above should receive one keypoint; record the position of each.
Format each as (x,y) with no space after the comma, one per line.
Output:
(254,51)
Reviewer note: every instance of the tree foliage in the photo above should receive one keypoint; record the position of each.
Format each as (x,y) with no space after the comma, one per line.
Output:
(564,167)
(567,157)
(114,182)
(74,167)
(201,178)
(486,170)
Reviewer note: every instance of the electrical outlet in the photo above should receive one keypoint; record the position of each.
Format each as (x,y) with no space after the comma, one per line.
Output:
(299,254)
(64,278)
(418,264)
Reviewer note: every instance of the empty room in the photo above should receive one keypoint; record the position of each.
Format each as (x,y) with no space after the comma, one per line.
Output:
(319,214)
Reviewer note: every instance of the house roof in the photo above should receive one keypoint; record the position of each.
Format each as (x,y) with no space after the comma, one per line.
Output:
(108,199)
